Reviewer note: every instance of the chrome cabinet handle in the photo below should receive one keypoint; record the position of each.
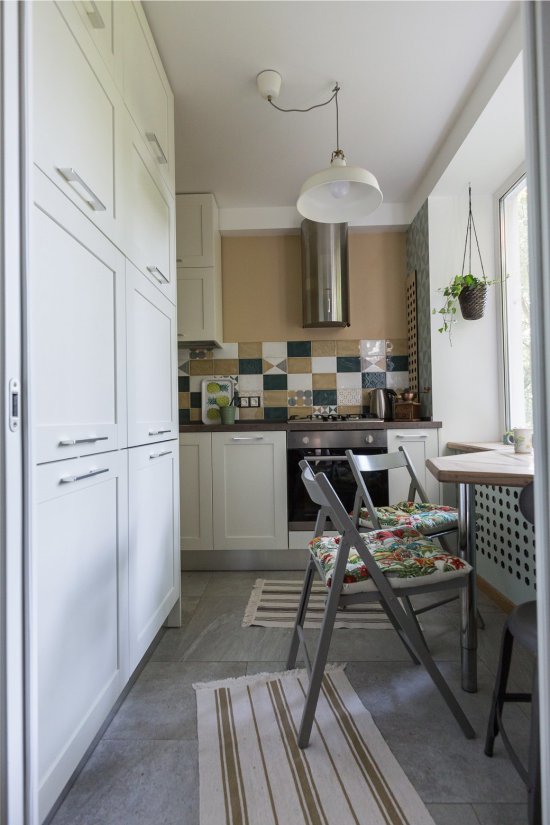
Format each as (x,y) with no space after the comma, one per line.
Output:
(95,17)
(159,455)
(72,176)
(247,438)
(152,138)
(411,437)
(89,474)
(157,274)
(159,432)
(70,442)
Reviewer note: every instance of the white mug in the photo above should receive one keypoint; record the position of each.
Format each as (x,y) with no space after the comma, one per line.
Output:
(522,439)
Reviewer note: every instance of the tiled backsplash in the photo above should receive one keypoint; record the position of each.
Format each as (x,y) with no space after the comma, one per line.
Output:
(295,377)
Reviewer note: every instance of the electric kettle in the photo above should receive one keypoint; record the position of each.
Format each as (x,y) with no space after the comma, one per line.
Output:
(381,403)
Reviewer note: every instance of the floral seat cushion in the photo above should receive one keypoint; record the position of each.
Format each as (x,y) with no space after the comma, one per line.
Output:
(405,556)
(426,518)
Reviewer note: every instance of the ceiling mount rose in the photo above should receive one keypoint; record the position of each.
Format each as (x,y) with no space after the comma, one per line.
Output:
(339,194)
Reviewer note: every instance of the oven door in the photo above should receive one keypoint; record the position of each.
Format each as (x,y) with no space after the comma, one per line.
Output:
(302,512)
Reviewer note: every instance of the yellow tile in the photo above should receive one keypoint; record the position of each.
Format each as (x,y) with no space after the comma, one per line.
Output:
(302,412)
(324,380)
(323,348)
(275,398)
(203,366)
(253,350)
(350,409)
(196,414)
(347,348)
(183,398)
(250,414)
(296,365)
(226,366)
(397,346)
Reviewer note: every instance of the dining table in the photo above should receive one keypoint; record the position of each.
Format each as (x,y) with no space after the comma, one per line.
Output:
(481,463)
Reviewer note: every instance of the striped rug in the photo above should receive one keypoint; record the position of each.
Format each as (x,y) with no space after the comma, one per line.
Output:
(253,773)
(274,602)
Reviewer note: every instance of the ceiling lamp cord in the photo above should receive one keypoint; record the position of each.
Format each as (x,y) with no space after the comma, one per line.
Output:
(338,153)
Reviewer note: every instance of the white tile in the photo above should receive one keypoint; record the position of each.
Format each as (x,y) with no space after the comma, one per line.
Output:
(249,383)
(195,383)
(274,349)
(373,348)
(226,351)
(397,380)
(348,380)
(348,398)
(323,363)
(299,381)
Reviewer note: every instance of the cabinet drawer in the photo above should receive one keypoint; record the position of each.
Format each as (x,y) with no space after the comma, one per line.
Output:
(76,111)
(77,315)
(152,362)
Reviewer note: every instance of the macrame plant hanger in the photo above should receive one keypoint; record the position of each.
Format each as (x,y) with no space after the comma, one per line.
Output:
(472,299)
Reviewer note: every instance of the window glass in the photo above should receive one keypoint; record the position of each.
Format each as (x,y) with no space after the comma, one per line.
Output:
(517,327)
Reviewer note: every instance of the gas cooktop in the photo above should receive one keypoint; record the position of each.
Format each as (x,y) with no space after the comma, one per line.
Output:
(334,418)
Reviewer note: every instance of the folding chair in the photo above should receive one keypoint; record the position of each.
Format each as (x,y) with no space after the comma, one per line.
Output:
(350,556)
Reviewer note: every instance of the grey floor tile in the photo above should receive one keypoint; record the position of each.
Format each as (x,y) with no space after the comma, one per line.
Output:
(453,814)
(193,585)
(501,814)
(264,667)
(162,704)
(135,783)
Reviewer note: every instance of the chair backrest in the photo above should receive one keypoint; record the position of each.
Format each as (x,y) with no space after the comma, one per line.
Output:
(527,503)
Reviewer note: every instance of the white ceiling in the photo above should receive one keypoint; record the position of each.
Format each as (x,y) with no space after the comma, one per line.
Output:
(406,70)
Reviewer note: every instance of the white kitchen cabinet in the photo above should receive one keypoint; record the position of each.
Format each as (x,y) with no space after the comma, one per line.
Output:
(154,562)
(147,92)
(102,22)
(152,362)
(197,230)
(199,305)
(77,321)
(249,490)
(420,444)
(78,610)
(76,113)
(196,531)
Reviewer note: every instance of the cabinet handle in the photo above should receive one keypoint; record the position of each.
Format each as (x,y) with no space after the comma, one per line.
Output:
(159,432)
(158,455)
(70,442)
(152,138)
(247,438)
(72,176)
(157,274)
(89,474)
(95,17)
(411,437)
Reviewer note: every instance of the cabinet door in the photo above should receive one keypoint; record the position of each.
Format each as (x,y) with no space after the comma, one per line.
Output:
(199,305)
(154,568)
(196,226)
(148,214)
(420,445)
(152,362)
(196,491)
(249,490)
(77,331)
(79,610)
(76,111)
(101,20)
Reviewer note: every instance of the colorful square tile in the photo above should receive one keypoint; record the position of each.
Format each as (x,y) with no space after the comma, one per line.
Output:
(196,400)
(373,380)
(347,348)
(299,381)
(397,346)
(324,381)
(323,349)
(184,416)
(274,349)
(276,413)
(397,363)
(183,368)
(200,354)
(348,363)
(250,350)
(183,400)
(202,367)
(299,349)
(324,398)
(373,364)
(373,348)
(325,409)
(196,415)
(183,383)
(299,364)
(302,412)
(323,363)
(273,365)
(300,398)
(348,381)
(250,366)
(275,398)
(251,414)
(226,366)
(397,380)
(275,382)
(350,397)
(252,384)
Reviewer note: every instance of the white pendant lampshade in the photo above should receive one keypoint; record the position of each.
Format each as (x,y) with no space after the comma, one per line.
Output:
(339,194)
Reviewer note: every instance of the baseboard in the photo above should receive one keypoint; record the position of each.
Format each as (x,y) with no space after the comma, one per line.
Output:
(195,560)
(505,604)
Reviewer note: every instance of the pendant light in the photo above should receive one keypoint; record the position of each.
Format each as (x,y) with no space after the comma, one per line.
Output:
(339,194)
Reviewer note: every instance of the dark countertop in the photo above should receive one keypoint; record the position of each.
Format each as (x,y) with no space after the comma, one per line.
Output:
(247,426)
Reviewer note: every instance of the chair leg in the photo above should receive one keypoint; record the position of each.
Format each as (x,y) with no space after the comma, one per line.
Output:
(398,629)
(534,813)
(499,692)
(300,615)
(411,612)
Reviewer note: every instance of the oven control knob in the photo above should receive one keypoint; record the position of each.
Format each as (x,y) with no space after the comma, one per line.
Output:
(369,439)
(305,440)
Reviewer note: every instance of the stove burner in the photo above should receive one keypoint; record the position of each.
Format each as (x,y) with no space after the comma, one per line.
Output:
(333,417)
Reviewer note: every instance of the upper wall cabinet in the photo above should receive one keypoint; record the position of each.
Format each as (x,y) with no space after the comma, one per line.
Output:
(101,19)
(197,230)
(76,110)
(147,92)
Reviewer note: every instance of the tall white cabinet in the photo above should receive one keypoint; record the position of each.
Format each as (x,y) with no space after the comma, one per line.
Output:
(104,564)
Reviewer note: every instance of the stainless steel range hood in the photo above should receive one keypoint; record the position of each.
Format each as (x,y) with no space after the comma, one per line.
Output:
(325,279)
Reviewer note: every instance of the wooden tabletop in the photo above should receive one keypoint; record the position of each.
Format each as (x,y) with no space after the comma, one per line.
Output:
(479,446)
(502,467)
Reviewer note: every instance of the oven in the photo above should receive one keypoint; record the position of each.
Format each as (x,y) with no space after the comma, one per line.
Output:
(313,445)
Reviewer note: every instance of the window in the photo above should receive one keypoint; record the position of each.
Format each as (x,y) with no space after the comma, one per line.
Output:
(515,306)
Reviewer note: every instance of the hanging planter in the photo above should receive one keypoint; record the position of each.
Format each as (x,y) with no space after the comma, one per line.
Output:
(467,290)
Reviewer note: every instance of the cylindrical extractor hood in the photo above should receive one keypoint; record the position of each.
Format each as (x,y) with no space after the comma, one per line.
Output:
(325,280)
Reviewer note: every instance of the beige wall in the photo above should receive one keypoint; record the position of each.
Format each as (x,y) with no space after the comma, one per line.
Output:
(262,289)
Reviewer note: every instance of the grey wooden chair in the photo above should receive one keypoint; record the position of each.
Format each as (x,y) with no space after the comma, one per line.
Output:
(378,588)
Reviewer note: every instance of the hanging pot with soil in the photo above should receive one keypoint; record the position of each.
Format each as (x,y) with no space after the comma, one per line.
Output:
(472,300)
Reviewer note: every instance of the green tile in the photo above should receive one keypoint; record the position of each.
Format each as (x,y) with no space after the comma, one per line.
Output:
(299,349)
(348,363)
(324,398)
(184,416)
(183,383)
(196,400)
(397,363)
(250,366)
(275,382)
(275,413)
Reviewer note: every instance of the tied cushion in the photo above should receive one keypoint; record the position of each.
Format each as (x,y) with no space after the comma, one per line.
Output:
(426,518)
(405,556)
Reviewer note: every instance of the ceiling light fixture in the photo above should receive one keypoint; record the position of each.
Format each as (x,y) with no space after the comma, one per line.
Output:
(339,194)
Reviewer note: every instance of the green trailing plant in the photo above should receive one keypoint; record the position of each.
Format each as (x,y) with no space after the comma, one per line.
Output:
(451,294)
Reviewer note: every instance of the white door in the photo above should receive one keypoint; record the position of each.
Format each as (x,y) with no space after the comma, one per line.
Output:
(77,316)
(198,312)
(79,609)
(196,491)
(154,568)
(249,490)
(196,223)
(420,445)
(152,362)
